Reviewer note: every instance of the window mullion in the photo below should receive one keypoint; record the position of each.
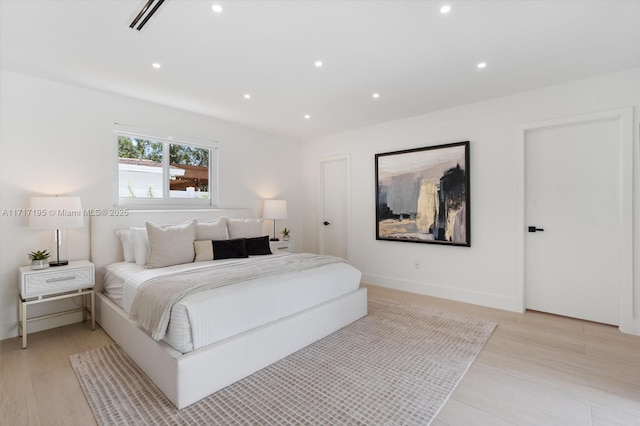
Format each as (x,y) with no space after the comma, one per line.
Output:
(166,176)
(213,176)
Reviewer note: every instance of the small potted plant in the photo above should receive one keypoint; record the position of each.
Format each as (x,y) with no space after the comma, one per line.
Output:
(285,234)
(39,259)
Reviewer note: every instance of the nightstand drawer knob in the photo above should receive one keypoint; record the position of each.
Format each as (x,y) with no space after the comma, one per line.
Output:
(58,279)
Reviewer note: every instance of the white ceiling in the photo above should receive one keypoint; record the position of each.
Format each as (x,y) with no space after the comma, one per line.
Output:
(418,59)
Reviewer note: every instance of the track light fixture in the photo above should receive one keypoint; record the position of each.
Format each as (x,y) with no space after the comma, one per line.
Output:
(142,13)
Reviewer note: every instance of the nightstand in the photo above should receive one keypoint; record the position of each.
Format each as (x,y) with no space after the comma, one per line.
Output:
(55,283)
(277,246)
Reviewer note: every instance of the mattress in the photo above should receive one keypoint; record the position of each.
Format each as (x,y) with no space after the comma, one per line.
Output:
(213,315)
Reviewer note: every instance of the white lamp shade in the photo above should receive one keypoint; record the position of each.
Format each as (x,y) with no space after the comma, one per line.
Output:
(275,209)
(49,213)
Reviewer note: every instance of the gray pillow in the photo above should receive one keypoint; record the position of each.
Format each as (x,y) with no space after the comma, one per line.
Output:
(171,244)
(244,228)
(212,229)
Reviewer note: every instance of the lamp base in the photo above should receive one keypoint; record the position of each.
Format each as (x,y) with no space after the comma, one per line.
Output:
(59,263)
(274,239)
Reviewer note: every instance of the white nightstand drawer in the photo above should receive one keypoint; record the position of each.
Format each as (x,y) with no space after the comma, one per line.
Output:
(58,279)
(279,246)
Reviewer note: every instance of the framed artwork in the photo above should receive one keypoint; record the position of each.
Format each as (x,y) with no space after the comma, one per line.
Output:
(422,195)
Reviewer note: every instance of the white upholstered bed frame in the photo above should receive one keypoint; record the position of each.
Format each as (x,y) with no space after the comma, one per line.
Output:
(187,378)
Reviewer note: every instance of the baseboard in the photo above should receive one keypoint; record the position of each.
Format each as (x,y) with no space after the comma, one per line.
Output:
(460,295)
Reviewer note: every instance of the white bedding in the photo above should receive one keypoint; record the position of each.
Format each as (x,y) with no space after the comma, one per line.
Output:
(207,317)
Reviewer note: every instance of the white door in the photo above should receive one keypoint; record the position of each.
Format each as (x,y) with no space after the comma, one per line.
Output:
(573,199)
(334,201)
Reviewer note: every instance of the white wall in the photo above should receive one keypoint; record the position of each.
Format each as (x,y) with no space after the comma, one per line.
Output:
(486,272)
(58,139)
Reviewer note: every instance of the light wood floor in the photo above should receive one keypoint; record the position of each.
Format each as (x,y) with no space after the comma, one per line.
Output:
(536,369)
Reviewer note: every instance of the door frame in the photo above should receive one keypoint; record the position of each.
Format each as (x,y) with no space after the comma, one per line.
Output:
(624,117)
(320,219)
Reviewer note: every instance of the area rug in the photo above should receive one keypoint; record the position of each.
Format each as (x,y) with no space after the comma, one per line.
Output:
(397,365)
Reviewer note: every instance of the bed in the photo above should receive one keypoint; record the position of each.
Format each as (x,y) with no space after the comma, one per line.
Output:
(188,369)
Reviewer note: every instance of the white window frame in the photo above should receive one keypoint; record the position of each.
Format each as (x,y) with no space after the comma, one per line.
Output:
(166,200)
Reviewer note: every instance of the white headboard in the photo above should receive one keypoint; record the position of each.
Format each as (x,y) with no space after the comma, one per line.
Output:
(106,247)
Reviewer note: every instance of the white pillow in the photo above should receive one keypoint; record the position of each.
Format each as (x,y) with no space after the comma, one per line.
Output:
(212,229)
(171,244)
(127,244)
(244,228)
(140,245)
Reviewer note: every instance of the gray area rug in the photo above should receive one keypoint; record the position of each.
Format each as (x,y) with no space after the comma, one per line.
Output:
(398,365)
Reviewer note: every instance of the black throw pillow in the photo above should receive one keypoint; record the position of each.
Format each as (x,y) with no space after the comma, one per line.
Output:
(258,246)
(229,249)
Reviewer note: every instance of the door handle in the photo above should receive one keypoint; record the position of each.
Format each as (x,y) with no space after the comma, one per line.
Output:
(326,223)
(534,229)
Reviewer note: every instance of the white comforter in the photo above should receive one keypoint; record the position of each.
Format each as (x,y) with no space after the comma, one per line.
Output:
(211,316)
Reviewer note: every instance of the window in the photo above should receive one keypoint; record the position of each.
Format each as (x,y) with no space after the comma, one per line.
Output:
(163,171)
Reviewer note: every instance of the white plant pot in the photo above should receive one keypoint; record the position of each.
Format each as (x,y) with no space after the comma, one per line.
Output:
(39,264)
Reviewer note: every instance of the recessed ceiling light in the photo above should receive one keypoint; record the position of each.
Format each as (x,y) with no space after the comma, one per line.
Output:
(376,95)
(307,116)
(482,65)
(445,9)
(318,64)
(156,65)
(216,8)
(247,95)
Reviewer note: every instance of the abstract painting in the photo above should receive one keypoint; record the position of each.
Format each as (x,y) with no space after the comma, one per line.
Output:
(422,195)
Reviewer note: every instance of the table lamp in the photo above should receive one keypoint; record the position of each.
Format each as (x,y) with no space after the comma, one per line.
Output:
(275,209)
(56,213)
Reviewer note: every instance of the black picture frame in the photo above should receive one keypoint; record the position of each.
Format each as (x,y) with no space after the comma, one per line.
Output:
(423,195)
